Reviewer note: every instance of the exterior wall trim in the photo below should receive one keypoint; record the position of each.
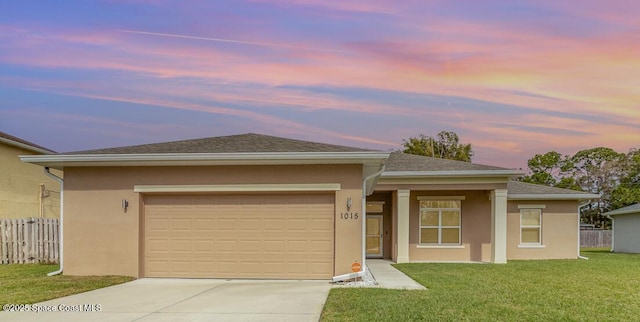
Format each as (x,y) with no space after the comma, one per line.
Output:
(531,246)
(402,211)
(441,246)
(532,206)
(443,180)
(238,188)
(572,196)
(499,226)
(441,197)
(452,173)
(59,161)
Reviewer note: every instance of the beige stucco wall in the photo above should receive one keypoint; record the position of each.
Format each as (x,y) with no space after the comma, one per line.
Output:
(626,236)
(20,186)
(559,230)
(475,230)
(101,239)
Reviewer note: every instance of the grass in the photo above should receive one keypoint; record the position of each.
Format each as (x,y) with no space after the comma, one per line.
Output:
(29,283)
(604,288)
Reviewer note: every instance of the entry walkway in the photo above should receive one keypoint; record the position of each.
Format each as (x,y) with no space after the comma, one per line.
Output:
(387,276)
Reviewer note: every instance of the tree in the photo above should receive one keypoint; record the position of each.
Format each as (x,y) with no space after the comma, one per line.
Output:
(545,169)
(615,176)
(628,191)
(446,146)
(598,170)
(550,169)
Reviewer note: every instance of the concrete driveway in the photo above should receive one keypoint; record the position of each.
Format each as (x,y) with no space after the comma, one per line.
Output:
(189,300)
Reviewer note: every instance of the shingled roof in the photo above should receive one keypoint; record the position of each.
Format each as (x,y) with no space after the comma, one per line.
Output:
(243,143)
(399,161)
(633,209)
(525,190)
(13,140)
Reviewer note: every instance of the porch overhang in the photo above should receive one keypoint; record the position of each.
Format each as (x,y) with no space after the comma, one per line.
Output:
(447,177)
(568,196)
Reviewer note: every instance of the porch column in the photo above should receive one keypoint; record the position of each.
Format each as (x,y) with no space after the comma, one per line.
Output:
(402,211)
(499,226)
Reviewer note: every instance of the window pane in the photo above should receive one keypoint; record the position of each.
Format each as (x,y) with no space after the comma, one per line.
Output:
(428,204)
(435,204)
(450,235)
(429,218)
(450,204)
(450,218)
(373,226)
(530,217)
(428,235)
(374,207)
(373,245)
(531,235)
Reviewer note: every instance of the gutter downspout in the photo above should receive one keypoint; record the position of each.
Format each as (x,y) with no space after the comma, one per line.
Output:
(580,215)
(61,228)
(363,269)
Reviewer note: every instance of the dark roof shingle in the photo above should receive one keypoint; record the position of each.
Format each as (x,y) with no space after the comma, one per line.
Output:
(523,188)
(399,161)
(242,143)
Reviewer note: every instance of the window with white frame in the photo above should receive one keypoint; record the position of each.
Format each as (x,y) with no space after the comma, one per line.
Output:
(440,220)
(531,226)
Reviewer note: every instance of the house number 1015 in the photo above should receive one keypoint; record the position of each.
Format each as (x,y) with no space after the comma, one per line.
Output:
(349,215)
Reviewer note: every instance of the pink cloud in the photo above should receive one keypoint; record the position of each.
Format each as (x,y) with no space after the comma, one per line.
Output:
(593,76)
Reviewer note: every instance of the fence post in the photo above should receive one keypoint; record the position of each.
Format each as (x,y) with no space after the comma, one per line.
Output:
(4,255)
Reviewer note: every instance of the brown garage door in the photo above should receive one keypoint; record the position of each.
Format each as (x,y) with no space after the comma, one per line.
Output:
(239,236)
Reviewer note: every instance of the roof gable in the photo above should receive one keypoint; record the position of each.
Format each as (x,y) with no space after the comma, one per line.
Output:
(243,143)
(24,144)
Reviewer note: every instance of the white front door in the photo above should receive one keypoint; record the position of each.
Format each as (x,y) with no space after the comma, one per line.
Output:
(374,236)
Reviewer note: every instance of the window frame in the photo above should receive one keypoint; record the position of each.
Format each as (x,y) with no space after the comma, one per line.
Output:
(539,226)
(439,227)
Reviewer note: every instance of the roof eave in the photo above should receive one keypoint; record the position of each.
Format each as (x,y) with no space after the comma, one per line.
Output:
(25,146)
(452,174)
(552,196)
(59,161)
(623,212)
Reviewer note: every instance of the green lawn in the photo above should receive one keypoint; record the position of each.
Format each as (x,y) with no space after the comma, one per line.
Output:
(604,288)
(29,283)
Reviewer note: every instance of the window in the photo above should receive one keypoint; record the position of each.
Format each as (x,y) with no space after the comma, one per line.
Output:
(375,206)
(440,222)
(531,226)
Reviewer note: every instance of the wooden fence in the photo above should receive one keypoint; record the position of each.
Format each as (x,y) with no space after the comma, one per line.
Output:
(29,240)
(595,238)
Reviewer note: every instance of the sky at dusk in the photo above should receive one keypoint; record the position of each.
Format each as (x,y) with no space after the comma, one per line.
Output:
(513,78)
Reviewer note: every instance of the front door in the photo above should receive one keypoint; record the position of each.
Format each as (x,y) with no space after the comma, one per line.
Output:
(374,236)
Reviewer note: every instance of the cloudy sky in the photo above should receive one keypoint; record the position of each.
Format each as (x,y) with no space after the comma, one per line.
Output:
(513,78)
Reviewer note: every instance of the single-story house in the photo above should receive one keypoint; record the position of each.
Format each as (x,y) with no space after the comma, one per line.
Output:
(626,229)
(25,190)
(257,206)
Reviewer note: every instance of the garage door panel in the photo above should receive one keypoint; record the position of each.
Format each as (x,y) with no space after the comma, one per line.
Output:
(204,224)
(239,236)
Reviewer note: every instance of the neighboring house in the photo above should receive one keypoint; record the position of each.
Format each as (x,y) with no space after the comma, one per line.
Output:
(256,206)
(626,229)
(25,190)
